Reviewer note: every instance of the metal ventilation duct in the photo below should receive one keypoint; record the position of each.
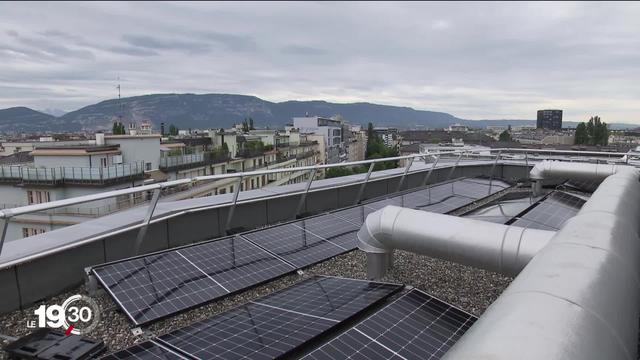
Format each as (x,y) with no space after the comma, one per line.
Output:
(578,298)
(496,247)
(575,171)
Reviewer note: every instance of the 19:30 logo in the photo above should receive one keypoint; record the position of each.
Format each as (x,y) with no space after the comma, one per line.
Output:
(78,315)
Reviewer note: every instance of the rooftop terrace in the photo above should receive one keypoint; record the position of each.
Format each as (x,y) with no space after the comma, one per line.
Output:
(307,230)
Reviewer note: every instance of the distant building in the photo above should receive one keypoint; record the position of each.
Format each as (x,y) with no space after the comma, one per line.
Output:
(549,119)
(388,135)
(458,127)
(330,129)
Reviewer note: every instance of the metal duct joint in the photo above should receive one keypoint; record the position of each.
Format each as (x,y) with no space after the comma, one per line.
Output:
(495,247)
(575,171)
(578,298)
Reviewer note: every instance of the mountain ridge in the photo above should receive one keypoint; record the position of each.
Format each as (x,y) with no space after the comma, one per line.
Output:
(203,111)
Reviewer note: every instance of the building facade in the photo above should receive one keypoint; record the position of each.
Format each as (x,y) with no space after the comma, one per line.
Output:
(549,119)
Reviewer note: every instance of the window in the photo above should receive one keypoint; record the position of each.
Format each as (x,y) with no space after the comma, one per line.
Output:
(148,166)
(103,162)
(222,191)
(38,196)
(231,188)
(26,232)
(253,183)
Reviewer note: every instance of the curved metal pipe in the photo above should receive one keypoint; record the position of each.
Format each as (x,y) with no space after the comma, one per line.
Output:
(576,171)
(495,247)
(578,298)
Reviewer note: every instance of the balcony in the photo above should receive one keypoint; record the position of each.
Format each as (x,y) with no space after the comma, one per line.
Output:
(71,175)
(190,161)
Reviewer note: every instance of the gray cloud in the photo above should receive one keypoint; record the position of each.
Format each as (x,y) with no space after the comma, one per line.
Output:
(474,60)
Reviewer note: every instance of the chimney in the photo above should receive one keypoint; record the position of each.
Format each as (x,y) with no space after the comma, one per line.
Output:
(99,139)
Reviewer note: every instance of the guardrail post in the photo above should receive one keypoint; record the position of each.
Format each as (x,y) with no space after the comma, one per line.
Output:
(453,169)
(428,175)
(146,221)
(404,175)
(303,198)
(3,229)
(493,168)
(233,204)
(364,184)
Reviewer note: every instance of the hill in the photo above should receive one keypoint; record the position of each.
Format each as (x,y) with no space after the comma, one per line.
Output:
(223,110)
(23,119)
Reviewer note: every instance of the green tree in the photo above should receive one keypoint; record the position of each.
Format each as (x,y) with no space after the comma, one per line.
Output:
(173,130)
(593,132)
(118,128)
(505,136)
(251,124)
(245,126)
(581,136)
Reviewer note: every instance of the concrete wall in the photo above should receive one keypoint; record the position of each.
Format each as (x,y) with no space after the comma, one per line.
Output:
(138,149)
(66,161)
(33,284)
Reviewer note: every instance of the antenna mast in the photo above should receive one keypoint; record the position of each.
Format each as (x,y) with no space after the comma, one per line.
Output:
(120,109)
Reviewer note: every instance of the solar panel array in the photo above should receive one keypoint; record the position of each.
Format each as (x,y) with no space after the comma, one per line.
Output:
(442,198)
(552,212)
(271,326)
(151,287)
(147,350)
(154,286)
(415,326)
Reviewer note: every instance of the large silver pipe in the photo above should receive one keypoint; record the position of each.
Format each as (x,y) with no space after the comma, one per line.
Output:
(496,247)
(575,171)
(578,298)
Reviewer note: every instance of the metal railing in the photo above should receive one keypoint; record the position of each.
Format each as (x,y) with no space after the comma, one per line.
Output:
(7,214)
(56,175)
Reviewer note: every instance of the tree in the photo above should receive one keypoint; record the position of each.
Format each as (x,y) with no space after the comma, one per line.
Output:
(118,128)
(377,149)
(593,132)
(251,124)
(505,136)
(245,126)
(581,136)
(173,130)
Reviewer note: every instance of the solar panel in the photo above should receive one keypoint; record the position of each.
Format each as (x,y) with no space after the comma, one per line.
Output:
(148,350)
(334,229)
(552,212)
(354,215)
(278,323)
(415,326)
(442,198)
(151,287)
(296,245)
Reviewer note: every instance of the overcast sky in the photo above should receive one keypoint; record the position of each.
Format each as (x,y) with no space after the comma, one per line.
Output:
(473,60)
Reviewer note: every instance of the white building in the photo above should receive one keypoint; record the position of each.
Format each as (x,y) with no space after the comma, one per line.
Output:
(331,131)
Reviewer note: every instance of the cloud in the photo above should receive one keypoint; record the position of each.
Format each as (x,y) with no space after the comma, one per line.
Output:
(474,60)
(302,50)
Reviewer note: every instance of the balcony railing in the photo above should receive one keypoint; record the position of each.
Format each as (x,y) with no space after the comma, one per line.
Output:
(71,175)
(190,161)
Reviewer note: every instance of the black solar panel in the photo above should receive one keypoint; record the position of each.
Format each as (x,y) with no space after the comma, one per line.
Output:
(334,229)
(148,350)
(148,288)
(415,326)
(278,323)
(552,212)
(296,245)
(442,198)
(354,215)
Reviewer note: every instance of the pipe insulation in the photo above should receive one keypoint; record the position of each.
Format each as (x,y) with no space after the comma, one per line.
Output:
(572,170)
(578,298)
(495,247)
